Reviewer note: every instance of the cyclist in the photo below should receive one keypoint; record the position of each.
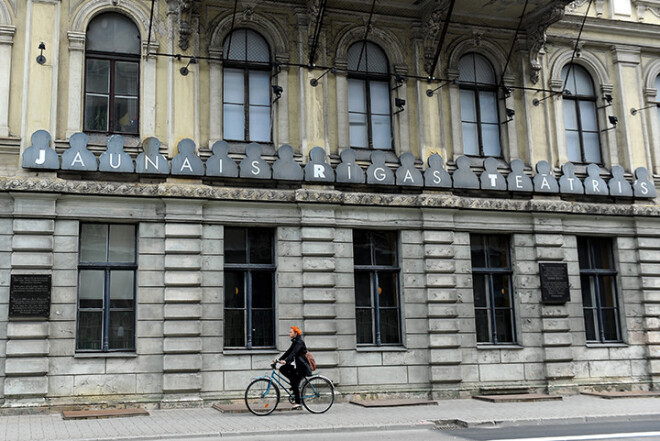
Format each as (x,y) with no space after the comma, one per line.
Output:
(295,363)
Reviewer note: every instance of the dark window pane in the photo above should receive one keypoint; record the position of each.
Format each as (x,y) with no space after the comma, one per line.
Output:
(96,113)
(588,300)
(98,76)
(387,289)
(482,325)
(602,253)
(235,245)
(607,292)
(478,251)
(385,248)
(590,324)
(121,330)
(234,289)
(91,286)
(122,243)
(479,288)
(126,115)
(610,325)
(90,330)
(122,286)
(363,291)
(583,253)
(261,245)
(262,289)
(361,248)
(112,32)
(262,328)
(504,325)
(234,328)
(498,251)
(364,324)
(127,80)
(389,326)
(93,242)
(502,290)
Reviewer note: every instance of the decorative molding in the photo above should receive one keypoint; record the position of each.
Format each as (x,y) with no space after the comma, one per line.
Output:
(536,24)
(323,196)
(430,29)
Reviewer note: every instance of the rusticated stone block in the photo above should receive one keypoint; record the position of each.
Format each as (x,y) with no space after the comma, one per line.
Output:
(182,363)
(25,387)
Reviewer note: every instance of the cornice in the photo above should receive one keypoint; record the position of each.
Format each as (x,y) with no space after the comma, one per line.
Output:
(320,196)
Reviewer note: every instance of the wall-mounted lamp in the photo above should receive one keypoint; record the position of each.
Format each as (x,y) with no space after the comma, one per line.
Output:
(184,70)
(399,80)
(607,98)
(40,58)
(613,120)
(634,111)
(510,113)
(278,68)
(399,103)
(315,81)
(430,92)
(506,91)
(277,91)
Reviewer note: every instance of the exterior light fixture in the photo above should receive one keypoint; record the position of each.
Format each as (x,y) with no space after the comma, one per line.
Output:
(41,59)
(315,81)
(510,113)
(607,98)
(634,111)
(399,103)
(613,120)
(277,91)
(184,70)
(507,91)
(399,80)
(430,92)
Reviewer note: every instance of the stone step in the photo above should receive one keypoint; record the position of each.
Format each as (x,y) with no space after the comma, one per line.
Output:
(394,402)
(624,394)
(513,398)
(102,413)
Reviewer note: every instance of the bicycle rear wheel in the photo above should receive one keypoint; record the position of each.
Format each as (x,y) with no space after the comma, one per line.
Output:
(262,396)
(318,394)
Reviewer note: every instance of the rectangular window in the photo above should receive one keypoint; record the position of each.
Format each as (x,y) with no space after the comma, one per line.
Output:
(249,288)
(376,271)
(107,267)
(493,293)
(599,292)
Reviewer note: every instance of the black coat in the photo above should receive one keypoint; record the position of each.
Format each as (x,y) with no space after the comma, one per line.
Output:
(297,352)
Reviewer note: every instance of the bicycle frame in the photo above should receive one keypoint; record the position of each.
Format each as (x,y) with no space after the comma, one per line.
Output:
(276,376)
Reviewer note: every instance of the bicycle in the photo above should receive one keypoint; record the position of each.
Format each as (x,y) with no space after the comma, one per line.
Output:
(263,394)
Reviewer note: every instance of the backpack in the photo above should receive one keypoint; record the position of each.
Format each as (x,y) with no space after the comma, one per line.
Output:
(310,360)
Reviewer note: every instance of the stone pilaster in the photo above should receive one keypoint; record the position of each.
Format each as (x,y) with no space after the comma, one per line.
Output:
(318,286)
(182,344)
(5,271)
(555,319)
(649,264)
(442,302)
(26,364)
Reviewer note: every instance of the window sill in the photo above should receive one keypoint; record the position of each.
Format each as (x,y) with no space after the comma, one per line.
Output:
(105,355)
(381,349)
(606,345)
(503,346)
(250,351)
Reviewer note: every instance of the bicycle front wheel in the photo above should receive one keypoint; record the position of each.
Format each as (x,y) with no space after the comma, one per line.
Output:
(318,394)
(262,396)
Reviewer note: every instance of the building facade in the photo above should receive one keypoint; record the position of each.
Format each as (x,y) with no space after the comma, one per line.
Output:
(448,197)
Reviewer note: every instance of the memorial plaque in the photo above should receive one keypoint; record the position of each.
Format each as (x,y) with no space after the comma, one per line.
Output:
(554,283)
(29,295)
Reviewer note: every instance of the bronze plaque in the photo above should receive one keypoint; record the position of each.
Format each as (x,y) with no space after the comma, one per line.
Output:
(29,295)
(555,288)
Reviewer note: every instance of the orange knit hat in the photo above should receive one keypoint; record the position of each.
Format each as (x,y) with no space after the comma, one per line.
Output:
(296,330)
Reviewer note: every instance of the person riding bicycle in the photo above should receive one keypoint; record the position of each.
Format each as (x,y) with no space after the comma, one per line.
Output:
(295,363)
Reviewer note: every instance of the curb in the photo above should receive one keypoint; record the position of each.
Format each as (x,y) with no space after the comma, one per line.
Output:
(540,421)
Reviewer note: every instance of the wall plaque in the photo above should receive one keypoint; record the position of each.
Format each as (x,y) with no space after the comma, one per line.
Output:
(555,288)
(29,295)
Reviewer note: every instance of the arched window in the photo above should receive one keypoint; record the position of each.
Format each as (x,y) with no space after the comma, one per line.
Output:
(479,113)
(582,135)
(369,114)
(112,75)
(246,87)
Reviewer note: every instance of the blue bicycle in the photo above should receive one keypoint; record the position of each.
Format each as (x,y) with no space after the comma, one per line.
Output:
(263,394)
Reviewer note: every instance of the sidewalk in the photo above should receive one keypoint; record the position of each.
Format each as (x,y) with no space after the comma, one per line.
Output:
(208,422)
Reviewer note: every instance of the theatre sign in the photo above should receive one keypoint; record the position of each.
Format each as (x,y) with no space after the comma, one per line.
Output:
(253,166)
